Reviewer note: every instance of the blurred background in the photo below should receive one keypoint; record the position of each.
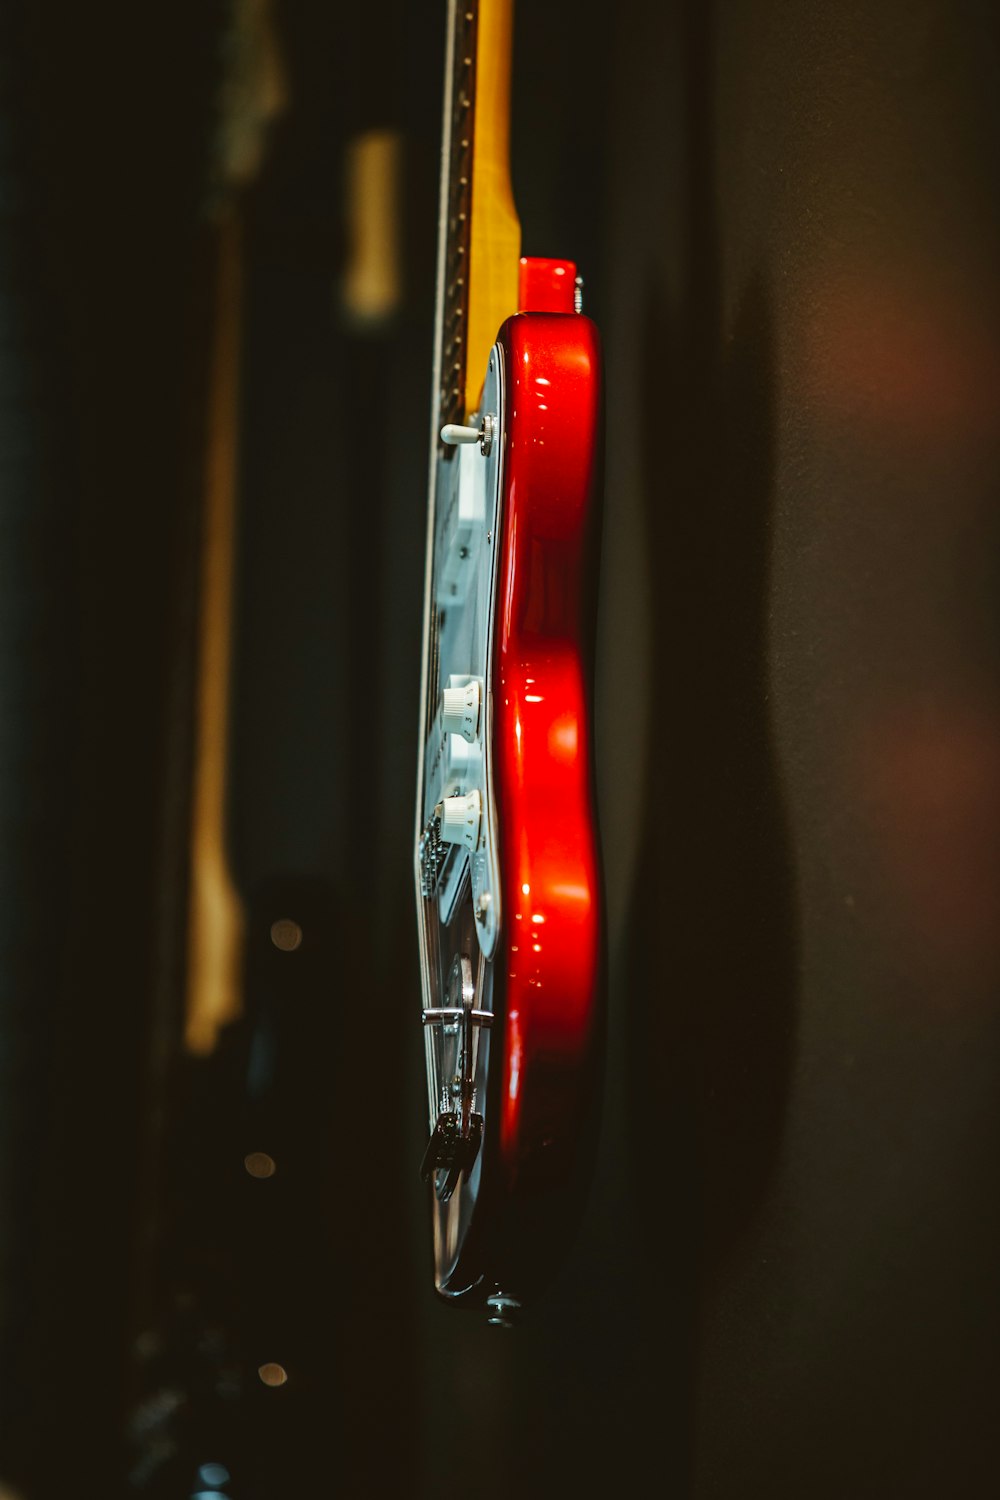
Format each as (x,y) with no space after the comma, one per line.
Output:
(216,288)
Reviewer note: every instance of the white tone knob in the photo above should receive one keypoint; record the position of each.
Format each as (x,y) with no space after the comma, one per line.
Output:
(460,714)
(460,820)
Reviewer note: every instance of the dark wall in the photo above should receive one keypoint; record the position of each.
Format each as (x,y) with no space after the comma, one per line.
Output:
(803,450)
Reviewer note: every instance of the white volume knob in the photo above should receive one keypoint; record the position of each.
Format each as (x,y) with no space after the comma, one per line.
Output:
(460,714)
(460,820)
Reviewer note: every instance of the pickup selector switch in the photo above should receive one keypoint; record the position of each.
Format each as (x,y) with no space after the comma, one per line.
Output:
(461,818)
(460,714)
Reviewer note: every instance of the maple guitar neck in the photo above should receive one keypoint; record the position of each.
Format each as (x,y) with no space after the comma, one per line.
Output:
(479,239)
(479,232)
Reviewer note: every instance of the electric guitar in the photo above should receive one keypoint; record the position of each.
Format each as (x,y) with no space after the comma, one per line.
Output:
(506,860)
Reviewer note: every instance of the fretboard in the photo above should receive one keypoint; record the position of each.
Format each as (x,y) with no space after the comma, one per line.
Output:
(456,217)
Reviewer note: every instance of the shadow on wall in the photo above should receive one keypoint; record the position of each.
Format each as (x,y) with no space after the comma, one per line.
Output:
(712,992)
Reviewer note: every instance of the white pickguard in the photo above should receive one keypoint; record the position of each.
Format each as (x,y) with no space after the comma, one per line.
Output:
(460,915)
(466,545)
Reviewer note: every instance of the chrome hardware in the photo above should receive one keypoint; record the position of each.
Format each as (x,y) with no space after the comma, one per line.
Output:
(452,1055)
(578,295)
(450,1153)
(502,1310)
(448,1013)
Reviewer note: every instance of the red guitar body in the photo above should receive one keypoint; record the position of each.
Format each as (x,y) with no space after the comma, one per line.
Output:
(514,1214)
(543,760)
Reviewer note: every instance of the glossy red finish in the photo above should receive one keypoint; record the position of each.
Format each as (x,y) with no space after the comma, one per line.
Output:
(545,285)
(543,771)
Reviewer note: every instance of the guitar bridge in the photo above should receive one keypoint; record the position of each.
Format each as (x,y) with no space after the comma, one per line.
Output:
(451,1153)
(452,1035)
